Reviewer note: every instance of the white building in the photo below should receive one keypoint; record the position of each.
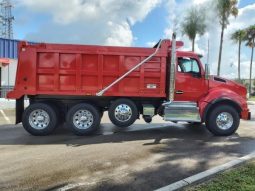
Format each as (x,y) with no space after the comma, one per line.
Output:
(8,68)
(8,64)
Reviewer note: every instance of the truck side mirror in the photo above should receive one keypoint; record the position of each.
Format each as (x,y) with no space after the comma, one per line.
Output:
(207,71)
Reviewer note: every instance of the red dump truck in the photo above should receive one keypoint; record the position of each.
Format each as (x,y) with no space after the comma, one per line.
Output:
(77,83)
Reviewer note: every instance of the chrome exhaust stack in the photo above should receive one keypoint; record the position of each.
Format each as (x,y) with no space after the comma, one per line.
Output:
(172,69)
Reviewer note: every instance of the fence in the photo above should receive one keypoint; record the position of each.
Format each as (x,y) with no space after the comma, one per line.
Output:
(4,90)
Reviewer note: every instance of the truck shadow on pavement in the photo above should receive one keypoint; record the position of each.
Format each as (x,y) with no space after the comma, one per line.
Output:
(107,133)
(183,150)
(110,134)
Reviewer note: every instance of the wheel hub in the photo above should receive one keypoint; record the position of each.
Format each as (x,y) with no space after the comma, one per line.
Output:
(224,120)
(123,113)
(39,119)
(83,119)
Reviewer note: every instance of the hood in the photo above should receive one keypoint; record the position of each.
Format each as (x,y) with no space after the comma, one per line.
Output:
(216,81)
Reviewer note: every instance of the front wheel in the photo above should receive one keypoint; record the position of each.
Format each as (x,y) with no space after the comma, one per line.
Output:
(223,121)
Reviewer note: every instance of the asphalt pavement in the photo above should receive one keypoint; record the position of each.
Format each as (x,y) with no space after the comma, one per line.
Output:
(141,157)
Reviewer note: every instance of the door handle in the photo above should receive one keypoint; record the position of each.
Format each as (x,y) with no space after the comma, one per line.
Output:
(179,92)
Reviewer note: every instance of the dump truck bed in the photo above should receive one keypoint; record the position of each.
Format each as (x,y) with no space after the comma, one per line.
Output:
(84,70)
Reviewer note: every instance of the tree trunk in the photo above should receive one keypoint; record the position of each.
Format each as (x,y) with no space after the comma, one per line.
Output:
(221,43)
(193,45)
(239,61)
(252,51)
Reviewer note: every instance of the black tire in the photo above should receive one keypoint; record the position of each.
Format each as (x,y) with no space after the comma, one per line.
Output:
(123,123)
(211,123)
(32,126)
(80,128)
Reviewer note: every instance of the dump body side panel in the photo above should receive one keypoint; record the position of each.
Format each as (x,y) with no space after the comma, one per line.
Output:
(51,69)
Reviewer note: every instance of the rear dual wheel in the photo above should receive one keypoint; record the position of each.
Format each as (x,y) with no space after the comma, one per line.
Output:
(83,119)
(40,119)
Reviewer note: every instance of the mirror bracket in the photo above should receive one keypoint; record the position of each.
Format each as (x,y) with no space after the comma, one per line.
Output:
(207,71)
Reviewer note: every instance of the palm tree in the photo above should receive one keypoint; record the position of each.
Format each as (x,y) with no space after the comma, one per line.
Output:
(238,36)
(225,8)
(253,86)
(194,24)
(251,43)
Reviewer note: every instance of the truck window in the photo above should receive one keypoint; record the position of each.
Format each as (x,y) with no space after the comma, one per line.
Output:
(188,65)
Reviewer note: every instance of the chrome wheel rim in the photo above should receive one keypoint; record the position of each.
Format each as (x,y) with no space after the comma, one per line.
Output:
(123,113)
(39,119)
(83,119)
(224,120)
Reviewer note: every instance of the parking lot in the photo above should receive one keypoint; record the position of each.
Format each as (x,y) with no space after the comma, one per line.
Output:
(141,157)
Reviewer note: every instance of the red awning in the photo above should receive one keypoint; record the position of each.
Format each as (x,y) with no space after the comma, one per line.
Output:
(4,61)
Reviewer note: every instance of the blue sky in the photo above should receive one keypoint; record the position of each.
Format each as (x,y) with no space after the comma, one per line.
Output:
(152,28)
(126,23)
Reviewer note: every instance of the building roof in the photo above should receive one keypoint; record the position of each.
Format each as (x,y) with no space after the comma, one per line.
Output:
(9,48)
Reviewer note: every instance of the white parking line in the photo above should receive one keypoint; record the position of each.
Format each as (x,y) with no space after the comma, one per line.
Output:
(70,187)
(5,117)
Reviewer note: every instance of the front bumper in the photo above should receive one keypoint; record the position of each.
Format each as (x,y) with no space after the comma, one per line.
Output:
(246,114)
(249,116)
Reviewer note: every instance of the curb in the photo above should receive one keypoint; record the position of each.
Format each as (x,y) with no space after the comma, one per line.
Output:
(200,176)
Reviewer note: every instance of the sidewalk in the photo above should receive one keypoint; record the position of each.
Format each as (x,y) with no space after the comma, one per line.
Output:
(251,102)
(9,104)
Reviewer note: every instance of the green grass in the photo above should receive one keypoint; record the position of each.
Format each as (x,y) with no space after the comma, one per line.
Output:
(239,179)
(252,98)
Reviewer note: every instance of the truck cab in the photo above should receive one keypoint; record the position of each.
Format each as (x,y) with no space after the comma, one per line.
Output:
(190,81)
(221,103)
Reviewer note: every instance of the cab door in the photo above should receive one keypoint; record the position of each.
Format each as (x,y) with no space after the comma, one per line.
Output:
(190,82)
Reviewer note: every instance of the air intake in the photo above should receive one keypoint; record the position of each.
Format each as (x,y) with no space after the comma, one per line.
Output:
(220,79)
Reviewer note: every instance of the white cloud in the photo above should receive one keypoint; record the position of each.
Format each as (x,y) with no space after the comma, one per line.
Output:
(198,2)
(120,35)
(151,43)
(86,21)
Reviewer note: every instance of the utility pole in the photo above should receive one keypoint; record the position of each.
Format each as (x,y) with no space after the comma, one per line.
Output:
(6,27)
(6,19)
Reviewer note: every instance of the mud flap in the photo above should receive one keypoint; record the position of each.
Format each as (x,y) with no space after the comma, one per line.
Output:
(19,109)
